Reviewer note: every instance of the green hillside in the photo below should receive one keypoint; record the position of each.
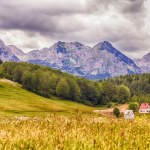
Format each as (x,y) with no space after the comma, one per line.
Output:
(14,100)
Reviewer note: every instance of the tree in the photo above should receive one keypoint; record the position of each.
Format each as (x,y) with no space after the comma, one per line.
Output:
(54,79)
(18,72)
(116,112)
(123,92)
(26,80)
(75,92)
(109,91)
(134,106)
(92,92)
(63,89)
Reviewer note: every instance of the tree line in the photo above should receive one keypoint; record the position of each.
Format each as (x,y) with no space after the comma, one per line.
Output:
(46,82)
(139,86)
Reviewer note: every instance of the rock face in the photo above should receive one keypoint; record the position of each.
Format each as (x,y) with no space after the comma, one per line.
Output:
(144,63)
(100,61)
(6,53)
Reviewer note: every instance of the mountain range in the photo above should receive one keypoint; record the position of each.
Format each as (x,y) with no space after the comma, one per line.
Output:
(98,62)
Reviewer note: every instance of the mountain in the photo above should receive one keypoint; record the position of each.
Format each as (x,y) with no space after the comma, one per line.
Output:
(7,54)
(144,63)
(100,61)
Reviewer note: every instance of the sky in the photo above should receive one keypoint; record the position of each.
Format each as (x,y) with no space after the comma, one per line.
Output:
(35,24)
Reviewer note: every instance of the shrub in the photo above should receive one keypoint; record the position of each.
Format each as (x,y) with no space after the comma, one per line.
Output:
(116,112)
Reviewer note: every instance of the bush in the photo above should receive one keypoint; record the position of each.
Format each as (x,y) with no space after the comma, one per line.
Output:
(134,106)
(116,112)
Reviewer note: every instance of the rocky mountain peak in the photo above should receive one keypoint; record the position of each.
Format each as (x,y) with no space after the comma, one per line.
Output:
(146,57)
(2,44)
(15,50)
(101,61)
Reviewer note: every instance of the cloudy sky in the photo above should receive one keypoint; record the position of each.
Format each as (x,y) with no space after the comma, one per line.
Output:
(34,24)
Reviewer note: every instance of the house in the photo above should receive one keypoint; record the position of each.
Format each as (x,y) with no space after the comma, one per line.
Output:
(144,108)
(128,114)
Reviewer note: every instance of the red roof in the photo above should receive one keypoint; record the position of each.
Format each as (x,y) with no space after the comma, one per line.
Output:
(144,105)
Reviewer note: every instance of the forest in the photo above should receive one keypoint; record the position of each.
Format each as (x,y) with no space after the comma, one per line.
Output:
(139,85)
(49,82)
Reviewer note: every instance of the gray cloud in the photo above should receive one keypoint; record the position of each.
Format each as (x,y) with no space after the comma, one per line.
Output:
(122,22)
(38,19)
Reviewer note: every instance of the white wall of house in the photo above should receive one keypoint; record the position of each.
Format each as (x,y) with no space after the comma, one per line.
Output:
(129,114)
(144,110)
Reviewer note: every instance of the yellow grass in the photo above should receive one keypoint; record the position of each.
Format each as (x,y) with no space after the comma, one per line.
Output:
(79,132)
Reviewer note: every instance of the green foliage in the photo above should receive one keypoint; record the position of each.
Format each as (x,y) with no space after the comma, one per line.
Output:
(116,112)
(134,106)
(139,85)
(46,82)
(63,89)
(75,92)
(123,92)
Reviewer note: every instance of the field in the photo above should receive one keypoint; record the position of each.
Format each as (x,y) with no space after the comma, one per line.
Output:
(62,125)
(16,101)
(79,132)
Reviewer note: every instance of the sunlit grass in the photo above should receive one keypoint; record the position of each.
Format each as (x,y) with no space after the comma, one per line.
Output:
(78,132)
(14,101)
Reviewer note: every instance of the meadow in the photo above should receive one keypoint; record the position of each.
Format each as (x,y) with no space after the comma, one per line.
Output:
(76,132)
(14,100)
(31,122)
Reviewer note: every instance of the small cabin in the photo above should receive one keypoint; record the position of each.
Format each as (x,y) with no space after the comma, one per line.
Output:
(144,108)
(128,114)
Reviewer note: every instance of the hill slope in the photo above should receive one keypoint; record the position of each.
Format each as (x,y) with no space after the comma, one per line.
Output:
(15,100)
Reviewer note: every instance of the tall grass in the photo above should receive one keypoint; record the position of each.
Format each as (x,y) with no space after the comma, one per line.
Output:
(81,132)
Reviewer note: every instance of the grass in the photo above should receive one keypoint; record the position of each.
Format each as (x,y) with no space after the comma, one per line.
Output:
(16,101)
(80,132)
(68,130)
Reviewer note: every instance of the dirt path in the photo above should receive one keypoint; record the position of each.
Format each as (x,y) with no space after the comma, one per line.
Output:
(109,111)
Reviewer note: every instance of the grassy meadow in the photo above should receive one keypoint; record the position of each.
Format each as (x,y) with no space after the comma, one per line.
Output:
(62,125)
(79,132)
(16,101)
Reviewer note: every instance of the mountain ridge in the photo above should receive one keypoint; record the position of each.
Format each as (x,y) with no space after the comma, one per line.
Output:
(144,63)
(100,61)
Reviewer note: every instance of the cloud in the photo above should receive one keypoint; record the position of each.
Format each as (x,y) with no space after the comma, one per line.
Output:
(44,18)
(40,23)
